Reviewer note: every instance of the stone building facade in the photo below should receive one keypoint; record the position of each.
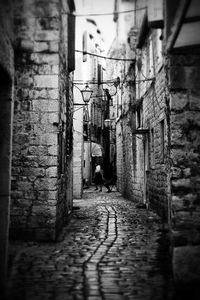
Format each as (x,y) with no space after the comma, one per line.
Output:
(36,61)
(158,131)
(151,115)
(183,65)
(123,48)
(167,114)
(42,128)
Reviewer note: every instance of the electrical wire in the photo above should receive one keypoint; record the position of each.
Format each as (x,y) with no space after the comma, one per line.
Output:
(107,14)
(105,57)
(83,82)
(110,82)
(81,107)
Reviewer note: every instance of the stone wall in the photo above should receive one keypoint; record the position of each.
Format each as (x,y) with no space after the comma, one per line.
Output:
(125,141)
(184,72)
(154,112)
(39,170)
(152,115)
(78,158)
(65,137)
(119,158)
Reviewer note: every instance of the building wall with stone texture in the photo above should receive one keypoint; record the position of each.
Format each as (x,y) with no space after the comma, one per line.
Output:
(184,72)
(152,115)
(40,168)
(78,159)
(119,157)
(121,109)
(145,154)
(6,116)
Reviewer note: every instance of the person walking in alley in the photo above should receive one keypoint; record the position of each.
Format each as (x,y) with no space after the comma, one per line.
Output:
(98,178)
(110,183)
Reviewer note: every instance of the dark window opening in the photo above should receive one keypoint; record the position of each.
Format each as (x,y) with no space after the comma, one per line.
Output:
(162,140)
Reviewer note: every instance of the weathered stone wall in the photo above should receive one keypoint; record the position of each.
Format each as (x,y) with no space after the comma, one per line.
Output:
(152,147)
(125,140)
(41,95)
(184,72)
(78,158)
(154,111)
(65,140)
(119,157)
(138,161)
(6,115)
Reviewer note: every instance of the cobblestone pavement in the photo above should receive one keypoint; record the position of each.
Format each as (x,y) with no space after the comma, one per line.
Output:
(111,250)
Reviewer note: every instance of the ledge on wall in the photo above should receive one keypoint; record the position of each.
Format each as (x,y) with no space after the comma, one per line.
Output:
(141,131)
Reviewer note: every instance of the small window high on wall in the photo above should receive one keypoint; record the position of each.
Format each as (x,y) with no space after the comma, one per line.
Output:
(162,141)
(139,116)
(84,41)
(152,148)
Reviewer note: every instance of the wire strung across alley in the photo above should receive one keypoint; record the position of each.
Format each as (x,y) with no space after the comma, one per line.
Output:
(105,57)
(106,14)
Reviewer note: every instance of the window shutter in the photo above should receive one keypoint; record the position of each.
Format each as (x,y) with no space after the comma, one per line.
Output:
(99,74)
(71,42)
(84,46)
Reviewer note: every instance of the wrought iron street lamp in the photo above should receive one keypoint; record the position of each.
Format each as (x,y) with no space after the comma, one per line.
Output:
(109,123)
(86,94)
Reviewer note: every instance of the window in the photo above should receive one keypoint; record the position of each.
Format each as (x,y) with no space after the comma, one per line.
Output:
(147,56)
(139,116)
(99,74)
(71,42)
(162,141)
(158,58)
(149,60)
(84,40)
(94,68)
(152,148)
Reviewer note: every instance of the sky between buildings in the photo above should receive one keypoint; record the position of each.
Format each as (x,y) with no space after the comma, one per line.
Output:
(104,22)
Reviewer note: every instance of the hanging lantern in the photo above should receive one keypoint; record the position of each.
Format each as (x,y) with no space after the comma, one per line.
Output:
(86,94)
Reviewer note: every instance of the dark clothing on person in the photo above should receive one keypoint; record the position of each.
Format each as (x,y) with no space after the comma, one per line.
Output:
(110,182)
(98,178)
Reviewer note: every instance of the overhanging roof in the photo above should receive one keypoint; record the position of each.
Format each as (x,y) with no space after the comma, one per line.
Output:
(185,26)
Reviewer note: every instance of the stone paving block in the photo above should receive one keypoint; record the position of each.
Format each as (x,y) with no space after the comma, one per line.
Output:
(106,259)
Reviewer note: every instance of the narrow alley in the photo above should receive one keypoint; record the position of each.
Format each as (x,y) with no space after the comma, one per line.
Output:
(99,93)
(109,250)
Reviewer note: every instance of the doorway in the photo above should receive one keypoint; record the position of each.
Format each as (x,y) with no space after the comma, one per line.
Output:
(6,114)
(146,169)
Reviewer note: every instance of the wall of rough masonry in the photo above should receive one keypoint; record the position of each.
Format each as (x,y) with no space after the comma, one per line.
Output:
(149,182)
(78,158)
(119,157)
(152,146)
(6,116)
(154,112)
(125,141)
(65,136)
(184,72)
(39,169)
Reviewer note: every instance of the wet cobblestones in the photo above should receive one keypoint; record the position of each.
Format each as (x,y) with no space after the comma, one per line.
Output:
(110,250)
